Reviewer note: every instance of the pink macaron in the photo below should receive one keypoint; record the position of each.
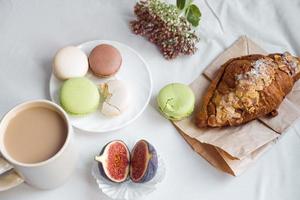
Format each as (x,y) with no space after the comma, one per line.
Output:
(105,60)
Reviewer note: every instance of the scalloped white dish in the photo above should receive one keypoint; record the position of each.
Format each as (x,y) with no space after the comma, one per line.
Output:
(134,71)
(129,190)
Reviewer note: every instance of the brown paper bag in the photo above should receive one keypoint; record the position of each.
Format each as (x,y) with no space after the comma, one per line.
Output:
(233,149)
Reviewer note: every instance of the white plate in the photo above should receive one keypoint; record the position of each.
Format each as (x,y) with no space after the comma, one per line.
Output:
(134,71)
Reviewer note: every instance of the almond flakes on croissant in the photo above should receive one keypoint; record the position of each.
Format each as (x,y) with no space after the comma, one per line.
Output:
(246,88)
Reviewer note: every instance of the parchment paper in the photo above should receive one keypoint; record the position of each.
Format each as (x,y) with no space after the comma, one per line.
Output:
(234,149)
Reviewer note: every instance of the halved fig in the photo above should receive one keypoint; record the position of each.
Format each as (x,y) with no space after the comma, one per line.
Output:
(113,161)
(144,162)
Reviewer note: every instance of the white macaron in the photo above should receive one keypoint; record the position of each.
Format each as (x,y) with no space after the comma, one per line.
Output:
(70,62)
(116,97)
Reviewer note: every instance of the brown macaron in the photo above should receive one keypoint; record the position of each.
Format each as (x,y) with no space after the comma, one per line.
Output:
(105,60)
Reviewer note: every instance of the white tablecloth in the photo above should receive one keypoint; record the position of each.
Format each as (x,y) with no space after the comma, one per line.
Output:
(31,31)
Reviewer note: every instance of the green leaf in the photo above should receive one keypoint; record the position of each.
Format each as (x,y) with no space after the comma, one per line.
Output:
(193,15)
(180,4)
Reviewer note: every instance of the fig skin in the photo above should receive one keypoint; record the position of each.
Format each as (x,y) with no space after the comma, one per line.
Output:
(101,164)
(151,165)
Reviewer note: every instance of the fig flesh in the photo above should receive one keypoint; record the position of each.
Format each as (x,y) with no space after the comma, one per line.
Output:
(144,162)
(113,161)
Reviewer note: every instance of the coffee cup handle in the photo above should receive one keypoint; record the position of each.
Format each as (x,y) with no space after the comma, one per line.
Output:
(9,178)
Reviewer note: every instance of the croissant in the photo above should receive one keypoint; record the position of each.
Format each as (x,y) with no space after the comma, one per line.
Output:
(246,88)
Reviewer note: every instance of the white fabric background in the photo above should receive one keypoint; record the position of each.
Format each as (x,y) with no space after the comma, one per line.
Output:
(31,31)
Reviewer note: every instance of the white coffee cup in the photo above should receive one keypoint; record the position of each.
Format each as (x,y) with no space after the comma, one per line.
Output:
(47,174)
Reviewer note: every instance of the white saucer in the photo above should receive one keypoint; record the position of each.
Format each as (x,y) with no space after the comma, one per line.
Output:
(134,71)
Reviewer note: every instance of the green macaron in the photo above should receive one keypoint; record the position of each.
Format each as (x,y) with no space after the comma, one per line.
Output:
(79,96)
(176,101)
